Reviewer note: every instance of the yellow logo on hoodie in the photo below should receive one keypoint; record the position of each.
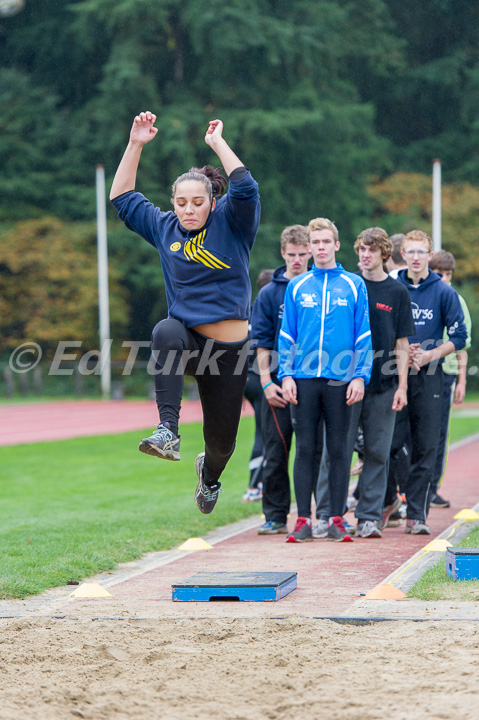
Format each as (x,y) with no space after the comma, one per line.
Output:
(195,251)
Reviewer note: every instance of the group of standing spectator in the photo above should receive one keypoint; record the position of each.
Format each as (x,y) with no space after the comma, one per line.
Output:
(338,351)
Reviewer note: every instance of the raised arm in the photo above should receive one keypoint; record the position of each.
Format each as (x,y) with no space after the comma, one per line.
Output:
(214,138)
(142,132)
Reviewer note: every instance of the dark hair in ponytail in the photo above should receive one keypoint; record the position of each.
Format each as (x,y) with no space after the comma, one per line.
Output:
(215,183)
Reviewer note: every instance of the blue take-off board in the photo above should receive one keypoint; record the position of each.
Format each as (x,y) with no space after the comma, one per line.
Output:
(462,563)
(239,586)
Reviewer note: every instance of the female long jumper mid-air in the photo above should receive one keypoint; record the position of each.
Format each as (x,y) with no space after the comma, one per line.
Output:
(204,246)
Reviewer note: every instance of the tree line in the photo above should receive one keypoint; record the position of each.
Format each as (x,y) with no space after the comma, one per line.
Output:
(337,107)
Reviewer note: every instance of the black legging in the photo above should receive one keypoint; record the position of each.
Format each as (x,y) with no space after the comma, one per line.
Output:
(220,370)
(320,397)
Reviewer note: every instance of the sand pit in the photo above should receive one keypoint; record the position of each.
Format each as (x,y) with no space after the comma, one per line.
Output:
(237,669)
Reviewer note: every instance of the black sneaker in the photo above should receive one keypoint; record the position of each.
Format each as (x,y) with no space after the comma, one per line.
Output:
(337,531)
(205,495)
(438,502)
(163,443)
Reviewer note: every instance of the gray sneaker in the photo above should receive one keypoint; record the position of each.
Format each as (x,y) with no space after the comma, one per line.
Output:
(368,529)
(337,531)
(416,527)
(205,495)
(320,529)
(302,532)
(163,443)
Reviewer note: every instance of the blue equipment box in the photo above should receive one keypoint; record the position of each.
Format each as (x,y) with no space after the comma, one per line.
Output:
(235,586)
(462,563)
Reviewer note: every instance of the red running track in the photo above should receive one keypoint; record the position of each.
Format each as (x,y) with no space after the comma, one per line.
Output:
(60,420)
(331,576)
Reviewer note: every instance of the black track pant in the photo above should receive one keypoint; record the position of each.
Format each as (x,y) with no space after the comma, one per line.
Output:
(399,458)
(220,370)
(424,397)
(441,457)
(317,398)
(277,435)
(254,394)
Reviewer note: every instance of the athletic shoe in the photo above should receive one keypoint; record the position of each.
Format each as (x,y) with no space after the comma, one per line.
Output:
(368,529)
(273,528)
(252,495)
(416,527)
(351,502)
(163,443)
(350,529)
(357,467)
(205,495)
(337,531)
(320,530)
(389,510)
(439,502)
(395,520)
(302,531)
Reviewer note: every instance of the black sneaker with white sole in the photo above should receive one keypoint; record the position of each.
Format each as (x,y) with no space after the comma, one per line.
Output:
(439,502)
(163,443)
(205,495)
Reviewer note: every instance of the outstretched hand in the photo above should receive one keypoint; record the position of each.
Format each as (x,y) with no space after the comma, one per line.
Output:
(214,132)
(143,130)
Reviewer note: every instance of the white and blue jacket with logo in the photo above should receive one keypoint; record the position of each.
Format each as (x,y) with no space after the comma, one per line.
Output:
(325,331)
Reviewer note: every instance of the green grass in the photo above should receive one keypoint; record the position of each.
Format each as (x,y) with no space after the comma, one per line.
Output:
(73,508)
(436,584)
(462,427)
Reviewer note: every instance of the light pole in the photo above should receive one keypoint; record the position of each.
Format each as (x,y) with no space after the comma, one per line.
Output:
(103,297)
(436,205)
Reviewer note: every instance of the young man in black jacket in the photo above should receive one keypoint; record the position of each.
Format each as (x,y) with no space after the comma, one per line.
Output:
(436,307)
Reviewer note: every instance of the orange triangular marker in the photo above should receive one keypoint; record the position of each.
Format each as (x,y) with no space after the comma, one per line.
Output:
(385,592)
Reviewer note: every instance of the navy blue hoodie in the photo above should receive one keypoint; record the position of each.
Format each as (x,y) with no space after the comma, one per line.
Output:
(206,271)
(435,306)
(268,311)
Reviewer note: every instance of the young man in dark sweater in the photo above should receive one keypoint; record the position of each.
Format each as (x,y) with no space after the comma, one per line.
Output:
(436,307)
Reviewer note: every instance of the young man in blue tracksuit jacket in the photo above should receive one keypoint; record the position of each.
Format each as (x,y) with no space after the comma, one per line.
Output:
(435,307)
(325,359)
(277,428)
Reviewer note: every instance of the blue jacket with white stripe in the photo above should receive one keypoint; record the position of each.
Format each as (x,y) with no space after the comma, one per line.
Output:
(325,331)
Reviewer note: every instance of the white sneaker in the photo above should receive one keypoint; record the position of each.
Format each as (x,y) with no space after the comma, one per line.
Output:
(252,495)
(351,502)
(320,530)
(368,529)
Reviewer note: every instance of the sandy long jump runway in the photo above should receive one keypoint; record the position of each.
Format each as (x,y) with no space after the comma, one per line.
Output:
(138,655)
